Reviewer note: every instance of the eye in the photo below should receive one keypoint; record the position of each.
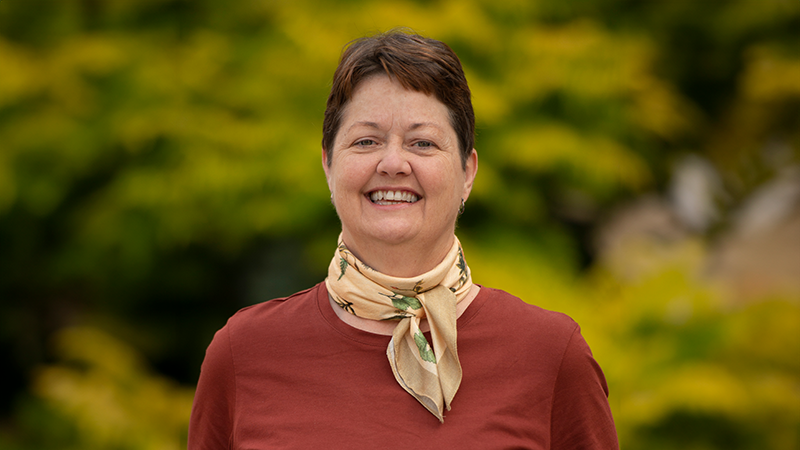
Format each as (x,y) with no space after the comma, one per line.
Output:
(423,144)
(364,143)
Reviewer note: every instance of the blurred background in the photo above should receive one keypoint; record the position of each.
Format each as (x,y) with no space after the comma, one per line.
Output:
(160,169)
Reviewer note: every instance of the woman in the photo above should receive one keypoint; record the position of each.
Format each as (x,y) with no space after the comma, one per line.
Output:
(398,348)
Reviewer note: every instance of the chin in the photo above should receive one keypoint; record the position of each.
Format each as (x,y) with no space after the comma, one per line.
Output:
(394,237)
(387,234)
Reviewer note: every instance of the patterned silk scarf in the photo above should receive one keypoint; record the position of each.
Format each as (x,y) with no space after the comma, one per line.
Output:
(431,375)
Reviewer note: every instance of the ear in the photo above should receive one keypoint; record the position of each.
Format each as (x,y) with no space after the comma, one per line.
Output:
(470,170)
(327,169)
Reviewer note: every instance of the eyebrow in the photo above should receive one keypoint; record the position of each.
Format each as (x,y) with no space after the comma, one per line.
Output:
(424,124)
(365,124)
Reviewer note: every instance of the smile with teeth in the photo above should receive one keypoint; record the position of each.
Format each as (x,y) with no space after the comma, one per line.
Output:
(392,197)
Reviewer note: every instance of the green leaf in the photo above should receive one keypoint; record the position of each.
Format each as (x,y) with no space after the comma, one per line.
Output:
(424,349)
(342,267)
(403,303)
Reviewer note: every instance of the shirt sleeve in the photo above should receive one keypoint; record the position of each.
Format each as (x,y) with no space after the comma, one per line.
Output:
(211,422)
(581,417)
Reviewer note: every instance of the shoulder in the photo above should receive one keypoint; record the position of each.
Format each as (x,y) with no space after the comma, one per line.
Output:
(249,338)
(500,307)
(285,316)
(505,325)
(277,308)
(556,352)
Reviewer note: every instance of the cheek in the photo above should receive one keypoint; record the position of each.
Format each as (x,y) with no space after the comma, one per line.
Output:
(449,180)
(349,174)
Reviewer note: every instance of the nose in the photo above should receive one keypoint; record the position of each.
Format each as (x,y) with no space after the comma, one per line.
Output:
(394,161)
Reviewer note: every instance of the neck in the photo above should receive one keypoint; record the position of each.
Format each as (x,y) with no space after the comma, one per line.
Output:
(400,260)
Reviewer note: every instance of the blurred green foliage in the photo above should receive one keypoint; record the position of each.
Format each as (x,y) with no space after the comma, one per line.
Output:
(160,168)
(102,397)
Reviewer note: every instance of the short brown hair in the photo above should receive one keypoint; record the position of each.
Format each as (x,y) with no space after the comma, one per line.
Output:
(418,63)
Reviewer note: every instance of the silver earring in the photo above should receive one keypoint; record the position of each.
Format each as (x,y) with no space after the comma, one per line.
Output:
(461,208)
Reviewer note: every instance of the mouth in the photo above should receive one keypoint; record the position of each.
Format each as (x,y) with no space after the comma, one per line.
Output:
(384,198)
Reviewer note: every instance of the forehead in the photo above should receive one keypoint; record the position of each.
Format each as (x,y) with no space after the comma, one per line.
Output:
(379,98)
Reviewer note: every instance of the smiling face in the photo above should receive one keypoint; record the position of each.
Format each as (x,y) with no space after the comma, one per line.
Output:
(396,176)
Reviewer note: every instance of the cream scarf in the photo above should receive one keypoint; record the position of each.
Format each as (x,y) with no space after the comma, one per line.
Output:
(432,376)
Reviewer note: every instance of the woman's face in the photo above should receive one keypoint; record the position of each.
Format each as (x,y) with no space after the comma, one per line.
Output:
(396,175)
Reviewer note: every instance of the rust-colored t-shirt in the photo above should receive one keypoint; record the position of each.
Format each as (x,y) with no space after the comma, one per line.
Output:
(289,374)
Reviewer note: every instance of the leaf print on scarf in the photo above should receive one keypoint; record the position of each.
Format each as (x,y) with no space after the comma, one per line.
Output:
(462,269)
(403,303)
(345,305)
(425,351)
(342,266)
